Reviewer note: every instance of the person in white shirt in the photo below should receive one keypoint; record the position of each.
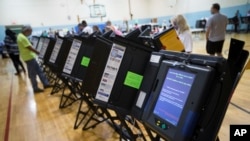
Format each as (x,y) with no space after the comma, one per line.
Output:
(86,29)
(183,30)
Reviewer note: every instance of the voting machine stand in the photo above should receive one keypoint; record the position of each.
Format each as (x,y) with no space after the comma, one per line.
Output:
(216,79)
(76,65)
(118,76)
(64,71)
(70,72)
(119,93)
(45,52)
(94,115)
(75,68)
(45,47)
(67,78)
(57,60)
(72,75)
(71,91)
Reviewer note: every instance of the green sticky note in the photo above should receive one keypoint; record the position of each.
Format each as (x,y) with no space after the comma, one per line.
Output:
(85,61)
(133,80)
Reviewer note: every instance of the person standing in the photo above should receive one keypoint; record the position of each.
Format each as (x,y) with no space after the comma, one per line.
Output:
(109,27)
(12,49)
(236,20)
(80,29)
(97,30)
(216,31)
(3,50)
(86,29)
(248,18)
(183,30)
(29,54)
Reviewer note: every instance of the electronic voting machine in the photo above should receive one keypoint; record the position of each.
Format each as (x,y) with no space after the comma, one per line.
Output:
(185,96)
(59,54)
(47,46)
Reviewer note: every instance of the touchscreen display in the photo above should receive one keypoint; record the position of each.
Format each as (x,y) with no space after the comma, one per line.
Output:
(173,95)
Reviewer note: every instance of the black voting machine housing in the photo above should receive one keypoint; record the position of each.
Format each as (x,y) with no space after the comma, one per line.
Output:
(133,62)
(82,56)
(46,49)
(205,70)
(97,53)
(57,64)
(68,80)
(228,75)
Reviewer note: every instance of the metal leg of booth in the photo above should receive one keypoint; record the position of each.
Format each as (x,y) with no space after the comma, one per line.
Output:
(68,99)
(98,116)
(50,75)
(125,131)
(80,116)
(151,136)
(58,85)
(94,113)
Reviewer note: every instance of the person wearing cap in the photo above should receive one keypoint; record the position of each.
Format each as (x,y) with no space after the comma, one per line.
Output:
(29,54)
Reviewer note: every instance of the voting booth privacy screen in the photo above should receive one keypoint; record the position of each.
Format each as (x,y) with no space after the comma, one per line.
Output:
(84,56)
(34,41)
(46,49)
(96,65)
(123,74)
(168,40)
(59,54)
(56,50)
(79,56)
(115,71)
(40,44)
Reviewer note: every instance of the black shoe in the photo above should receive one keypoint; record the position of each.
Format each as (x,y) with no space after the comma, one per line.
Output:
(48,86)
(4,56)
(17,73)
(38,90)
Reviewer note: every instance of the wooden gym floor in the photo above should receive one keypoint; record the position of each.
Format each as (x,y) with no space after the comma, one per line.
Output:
(28,117)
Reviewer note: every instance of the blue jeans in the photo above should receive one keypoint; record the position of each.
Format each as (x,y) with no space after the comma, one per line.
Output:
(33,70)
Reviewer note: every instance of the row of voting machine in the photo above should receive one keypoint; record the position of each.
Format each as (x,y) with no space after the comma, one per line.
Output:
(174,95)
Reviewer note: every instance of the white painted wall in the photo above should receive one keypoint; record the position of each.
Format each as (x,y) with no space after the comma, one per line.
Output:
(56,12)
(159,8)
(201,5)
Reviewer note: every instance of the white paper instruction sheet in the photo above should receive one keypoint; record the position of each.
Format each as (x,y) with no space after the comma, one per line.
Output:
(69,64)
(110,72)
(56,50)
(44,48)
